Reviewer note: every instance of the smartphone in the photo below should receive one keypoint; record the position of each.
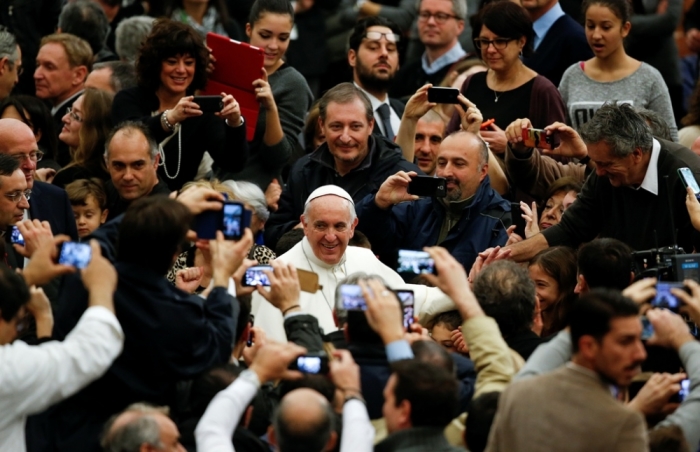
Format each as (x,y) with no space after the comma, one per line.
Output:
(311,363)
(16,236)
(235,218)
(688,179)
(537,138)
(209,104)
(251,335)
(440,95)
(685,390)
(255,276)
(517,219)
(664,298)
(75,254)
(352,298)
(407,299)
(412,263)
(647,328)
(428,186)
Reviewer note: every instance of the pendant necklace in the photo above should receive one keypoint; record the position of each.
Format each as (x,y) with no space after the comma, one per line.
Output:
(496,95)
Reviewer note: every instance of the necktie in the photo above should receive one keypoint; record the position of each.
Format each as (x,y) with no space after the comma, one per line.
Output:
(385,116)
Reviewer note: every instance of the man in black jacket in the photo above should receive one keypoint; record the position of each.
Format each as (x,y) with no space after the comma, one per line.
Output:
(351,158)
(374,58)
(169,335)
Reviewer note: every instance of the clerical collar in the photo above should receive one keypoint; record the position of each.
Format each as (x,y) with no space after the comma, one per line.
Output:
(309,253)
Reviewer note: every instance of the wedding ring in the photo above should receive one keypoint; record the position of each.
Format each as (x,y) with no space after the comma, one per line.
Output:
(385,293)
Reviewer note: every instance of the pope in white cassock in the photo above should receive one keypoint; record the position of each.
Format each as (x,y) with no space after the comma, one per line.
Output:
(329,223)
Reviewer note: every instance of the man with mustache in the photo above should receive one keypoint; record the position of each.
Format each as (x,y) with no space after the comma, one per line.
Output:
(374,58)
(351,158)
(471,218)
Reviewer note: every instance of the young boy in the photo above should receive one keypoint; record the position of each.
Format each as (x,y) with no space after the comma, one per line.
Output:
(445,330)
(89,201)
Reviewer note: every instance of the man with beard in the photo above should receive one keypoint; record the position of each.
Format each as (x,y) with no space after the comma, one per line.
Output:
(472,217)
(352,158)
(374,58)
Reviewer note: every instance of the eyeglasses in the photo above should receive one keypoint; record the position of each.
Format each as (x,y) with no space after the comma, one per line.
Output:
(498,43)
(376,36)
(440,18)
(34,156)
(73,115)
(17,196)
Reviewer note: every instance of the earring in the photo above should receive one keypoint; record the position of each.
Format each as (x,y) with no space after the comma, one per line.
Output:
(521,52)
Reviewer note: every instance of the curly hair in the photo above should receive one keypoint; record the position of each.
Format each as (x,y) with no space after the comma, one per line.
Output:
(169,38)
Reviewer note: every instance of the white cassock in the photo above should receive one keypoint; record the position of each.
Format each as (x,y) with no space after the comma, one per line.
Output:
(428,301)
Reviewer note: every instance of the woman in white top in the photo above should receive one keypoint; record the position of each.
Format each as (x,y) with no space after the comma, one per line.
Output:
(612,74)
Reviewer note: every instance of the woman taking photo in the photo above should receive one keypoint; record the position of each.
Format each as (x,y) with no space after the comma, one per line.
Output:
(170,68)
(282,91)
(508,89)
(85,128)
(611,73)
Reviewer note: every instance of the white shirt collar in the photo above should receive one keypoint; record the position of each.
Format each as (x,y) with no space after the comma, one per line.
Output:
(60,106)
(373,100)
(651,178)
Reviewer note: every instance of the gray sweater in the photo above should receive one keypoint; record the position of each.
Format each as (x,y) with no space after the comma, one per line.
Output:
(293,98)
(643,88)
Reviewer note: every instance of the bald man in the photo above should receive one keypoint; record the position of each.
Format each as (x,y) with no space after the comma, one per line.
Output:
(304,419)
(139,426)
(47,203)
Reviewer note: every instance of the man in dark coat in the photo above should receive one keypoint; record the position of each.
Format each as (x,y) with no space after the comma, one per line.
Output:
(351,158)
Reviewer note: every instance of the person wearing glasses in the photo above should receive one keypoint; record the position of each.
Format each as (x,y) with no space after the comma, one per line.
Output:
(62,65)
(14,200)
(508,90)
(85,128)
(48,203)
(440,22)
(374,58)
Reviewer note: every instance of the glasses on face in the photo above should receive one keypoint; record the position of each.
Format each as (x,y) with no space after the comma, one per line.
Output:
(440,18)
(73,115)
(376,36)
(34,156)
(498,43)
(17,195)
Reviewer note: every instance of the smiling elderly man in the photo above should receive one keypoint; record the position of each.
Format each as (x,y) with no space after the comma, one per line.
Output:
(329,222)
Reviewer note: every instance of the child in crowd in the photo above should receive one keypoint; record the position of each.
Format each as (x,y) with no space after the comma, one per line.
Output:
(445,329)
(89,201)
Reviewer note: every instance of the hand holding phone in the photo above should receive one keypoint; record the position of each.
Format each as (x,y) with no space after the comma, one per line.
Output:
(537,138)
(440,95)
(75,254)
(688,180)
(428,186)
(311,363)
(209,104)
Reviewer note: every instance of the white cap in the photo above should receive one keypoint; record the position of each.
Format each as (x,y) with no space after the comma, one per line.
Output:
(329,190)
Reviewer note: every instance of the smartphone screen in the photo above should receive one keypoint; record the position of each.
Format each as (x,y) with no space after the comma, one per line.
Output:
(311,363)
(255,276)
(16,236)
(647,329)
(537,138)
(689,180)
(75,254)
(441,95)
(232,222)
(352,298)
(664,298)
(685,390)
(407,299)
(413,263)
(428,186)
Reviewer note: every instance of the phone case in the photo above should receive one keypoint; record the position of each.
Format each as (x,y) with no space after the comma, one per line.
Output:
(537,138)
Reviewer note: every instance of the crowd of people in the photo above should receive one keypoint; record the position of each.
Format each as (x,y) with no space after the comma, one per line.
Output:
(451,225)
